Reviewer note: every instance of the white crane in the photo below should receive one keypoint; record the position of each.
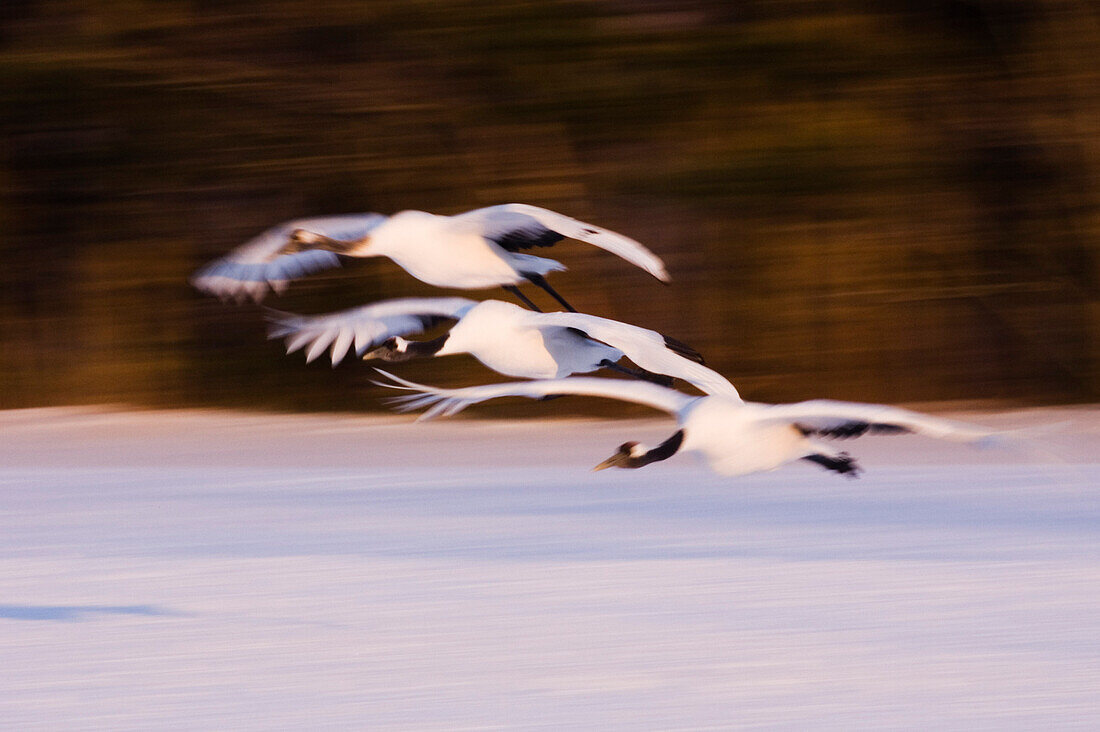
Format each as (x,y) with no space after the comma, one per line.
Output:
(734,437)
(505,337)
(475,250)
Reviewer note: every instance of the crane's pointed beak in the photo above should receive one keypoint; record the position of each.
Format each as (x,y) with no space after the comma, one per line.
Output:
(612,462)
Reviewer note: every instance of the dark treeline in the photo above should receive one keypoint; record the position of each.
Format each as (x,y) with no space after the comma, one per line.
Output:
(888,201)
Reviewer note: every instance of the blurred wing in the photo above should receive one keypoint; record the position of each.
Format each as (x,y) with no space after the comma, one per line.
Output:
(230,280)
(517,226)
(362,327)
(451,401)
(647,348)
(256,266)
(826,418)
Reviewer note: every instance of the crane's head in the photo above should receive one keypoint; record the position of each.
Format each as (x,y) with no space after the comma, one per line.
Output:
(629,455)
(301,240)
(394,348)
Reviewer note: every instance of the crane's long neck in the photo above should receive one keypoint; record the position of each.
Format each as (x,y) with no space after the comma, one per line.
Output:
(399,349)
(663,451)
(634,455)
(425,349)
(434,346)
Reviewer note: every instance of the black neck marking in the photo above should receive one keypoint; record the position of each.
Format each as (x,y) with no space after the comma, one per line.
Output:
(413,349)
(663,451)
(423,349)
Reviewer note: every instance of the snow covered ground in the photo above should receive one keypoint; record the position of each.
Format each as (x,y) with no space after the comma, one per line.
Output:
(205,570)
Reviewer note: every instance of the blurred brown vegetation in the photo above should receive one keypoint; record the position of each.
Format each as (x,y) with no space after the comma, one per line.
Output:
(890,201)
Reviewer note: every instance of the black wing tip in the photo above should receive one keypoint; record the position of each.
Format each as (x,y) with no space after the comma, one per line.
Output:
(518,239)
(851,429)
(683,349)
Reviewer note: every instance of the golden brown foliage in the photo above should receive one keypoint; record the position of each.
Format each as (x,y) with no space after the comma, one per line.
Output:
(877,201)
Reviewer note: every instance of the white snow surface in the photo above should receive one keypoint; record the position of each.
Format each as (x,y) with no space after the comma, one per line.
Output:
(213,570)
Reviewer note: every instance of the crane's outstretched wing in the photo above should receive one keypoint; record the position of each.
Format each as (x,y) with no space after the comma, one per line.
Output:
(647,348)
(258,265)
(365,326)
(827,418)
(451,401)
(516,226)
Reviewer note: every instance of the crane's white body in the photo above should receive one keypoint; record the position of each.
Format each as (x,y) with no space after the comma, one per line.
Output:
(446,252)
(732,436)
(733,439)
(504,337)
(513,341)
(470,251)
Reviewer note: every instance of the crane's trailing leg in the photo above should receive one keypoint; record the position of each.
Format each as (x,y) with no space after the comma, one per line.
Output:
(540,281)
(521,297)
(659,379)
(843,463)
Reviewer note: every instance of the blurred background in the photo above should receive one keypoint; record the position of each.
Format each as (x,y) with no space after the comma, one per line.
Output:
(883,201)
